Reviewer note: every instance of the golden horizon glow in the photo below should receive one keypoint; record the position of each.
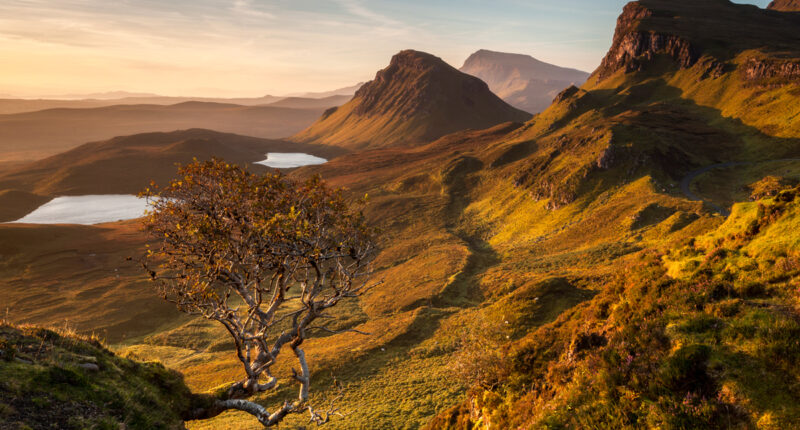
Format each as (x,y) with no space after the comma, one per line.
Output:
(250,48)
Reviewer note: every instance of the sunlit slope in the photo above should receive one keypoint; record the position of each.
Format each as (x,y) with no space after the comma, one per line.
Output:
(547,241)
(667,101)
(685,85)
(79,276)
(437,272)
(701,335)
(416,99)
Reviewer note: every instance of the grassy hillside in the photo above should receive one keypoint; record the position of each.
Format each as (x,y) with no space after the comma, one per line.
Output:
(51,379)
(53,275)
(713,347)
(556,274)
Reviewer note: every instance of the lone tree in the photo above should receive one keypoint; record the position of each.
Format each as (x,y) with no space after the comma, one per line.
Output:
(266,257)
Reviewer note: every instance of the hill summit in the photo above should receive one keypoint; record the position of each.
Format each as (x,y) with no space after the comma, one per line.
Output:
(521,80)
(785,5)
(416,99)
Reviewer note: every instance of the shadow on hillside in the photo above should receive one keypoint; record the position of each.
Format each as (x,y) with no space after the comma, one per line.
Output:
(655,132)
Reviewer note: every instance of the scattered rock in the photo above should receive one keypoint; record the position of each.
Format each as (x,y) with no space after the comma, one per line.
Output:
(89,367)
(87,359)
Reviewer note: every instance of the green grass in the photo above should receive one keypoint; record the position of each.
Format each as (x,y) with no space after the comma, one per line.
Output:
(716,348)
(42,384)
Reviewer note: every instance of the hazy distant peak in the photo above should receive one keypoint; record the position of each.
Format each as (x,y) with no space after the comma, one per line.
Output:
(345,91)
(521,80)
(108,95)
(485,54)
(530,66)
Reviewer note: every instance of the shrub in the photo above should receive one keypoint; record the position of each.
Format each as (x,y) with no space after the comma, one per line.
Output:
(7,350)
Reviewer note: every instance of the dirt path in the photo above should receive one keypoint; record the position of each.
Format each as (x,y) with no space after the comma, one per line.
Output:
(687,180)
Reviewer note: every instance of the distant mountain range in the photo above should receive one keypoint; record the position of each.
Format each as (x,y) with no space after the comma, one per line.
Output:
(416,99)
(521,80)
(38,134)
(346,91)
(10,104)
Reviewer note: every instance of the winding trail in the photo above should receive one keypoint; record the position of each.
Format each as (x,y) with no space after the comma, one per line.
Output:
(687,180)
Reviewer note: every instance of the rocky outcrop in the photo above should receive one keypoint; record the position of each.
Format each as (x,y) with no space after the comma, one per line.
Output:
(606,158)
(785,5)
(633,48)
(567,93)
(771,69)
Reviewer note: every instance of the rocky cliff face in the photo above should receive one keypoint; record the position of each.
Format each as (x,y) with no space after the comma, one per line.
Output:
(632,48)
(785,5)
(771,69)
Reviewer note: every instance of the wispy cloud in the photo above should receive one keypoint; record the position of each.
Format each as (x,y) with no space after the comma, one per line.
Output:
(277,46)
(378,22)
(250,10)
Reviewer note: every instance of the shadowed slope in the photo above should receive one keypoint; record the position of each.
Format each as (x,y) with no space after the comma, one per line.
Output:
(415,100)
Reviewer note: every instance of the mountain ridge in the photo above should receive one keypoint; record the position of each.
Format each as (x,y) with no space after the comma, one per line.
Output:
(35,135)
(414,100)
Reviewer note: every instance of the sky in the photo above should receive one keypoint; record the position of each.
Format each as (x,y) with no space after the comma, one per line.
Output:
(244,48)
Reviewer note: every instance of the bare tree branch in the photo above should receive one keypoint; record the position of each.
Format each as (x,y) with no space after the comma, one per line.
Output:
(226,235)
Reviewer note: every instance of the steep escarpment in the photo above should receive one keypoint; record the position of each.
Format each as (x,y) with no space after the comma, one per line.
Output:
(633,47)
(685,32)
(554,274)
(416,99)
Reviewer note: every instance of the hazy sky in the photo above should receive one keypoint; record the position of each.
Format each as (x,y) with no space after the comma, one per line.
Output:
(257,47)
